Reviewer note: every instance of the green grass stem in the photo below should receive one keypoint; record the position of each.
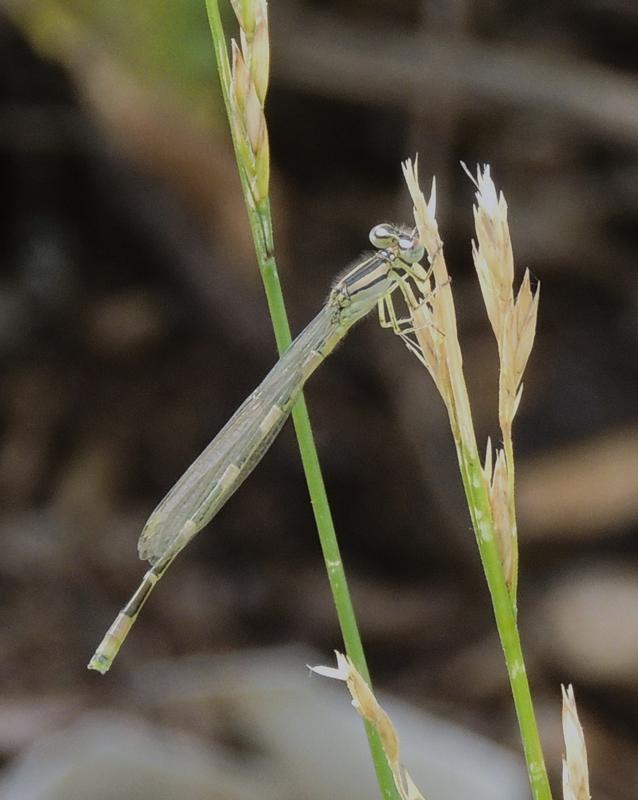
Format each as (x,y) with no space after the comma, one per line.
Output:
(505,616)
(261,227)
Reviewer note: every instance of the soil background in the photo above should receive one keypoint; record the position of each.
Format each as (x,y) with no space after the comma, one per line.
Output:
(132,324)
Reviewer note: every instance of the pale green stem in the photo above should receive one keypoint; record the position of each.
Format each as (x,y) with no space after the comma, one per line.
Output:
(261,227)
(505,615)
(511,481)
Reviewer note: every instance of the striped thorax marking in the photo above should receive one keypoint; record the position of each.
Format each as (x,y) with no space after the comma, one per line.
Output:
(367,275)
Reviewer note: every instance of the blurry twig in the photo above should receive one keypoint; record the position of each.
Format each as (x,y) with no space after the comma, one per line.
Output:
(324,53)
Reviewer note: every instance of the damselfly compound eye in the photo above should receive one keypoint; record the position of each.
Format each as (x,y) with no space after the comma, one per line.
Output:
(411,251)
(384,235)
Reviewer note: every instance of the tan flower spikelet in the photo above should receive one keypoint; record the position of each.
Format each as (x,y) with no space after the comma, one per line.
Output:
(575,770)
(435,320)
(260,63)
(365,702)
(249,85)
(241,78)
(513,321)
(523,328)
(435,342)
(245,13)
(497,480)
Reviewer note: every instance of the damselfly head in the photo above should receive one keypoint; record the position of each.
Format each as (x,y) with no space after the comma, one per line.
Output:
(403,241)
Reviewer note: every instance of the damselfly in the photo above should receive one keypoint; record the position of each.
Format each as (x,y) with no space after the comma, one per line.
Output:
(228,460)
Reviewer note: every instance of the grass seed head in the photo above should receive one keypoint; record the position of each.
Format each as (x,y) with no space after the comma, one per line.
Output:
(249,85)
(575,769)
(260,63)
(240,77)
(366,704)
(498,483)
(245,11)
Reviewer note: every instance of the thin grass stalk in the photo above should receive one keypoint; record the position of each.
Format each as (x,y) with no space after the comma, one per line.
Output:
(260,219)
(437,347)
(505,617)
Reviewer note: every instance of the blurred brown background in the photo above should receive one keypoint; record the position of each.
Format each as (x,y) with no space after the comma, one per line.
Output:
(132,324)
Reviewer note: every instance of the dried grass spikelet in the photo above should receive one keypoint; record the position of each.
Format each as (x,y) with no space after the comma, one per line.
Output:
(245,13)
(435,327)
(249,85)
(365,702)
(497,480)
(513,320)
(575,770)
(435,342)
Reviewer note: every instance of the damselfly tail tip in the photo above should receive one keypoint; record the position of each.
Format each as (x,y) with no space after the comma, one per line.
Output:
(100,663)
(105,654)
(110,645)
